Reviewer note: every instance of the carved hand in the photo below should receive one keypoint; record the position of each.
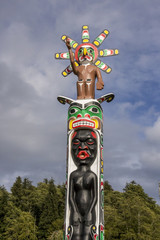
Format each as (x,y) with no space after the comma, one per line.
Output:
(76,218)
(99,85)
(88,219)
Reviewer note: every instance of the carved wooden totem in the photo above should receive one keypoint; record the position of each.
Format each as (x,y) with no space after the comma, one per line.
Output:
(84,212)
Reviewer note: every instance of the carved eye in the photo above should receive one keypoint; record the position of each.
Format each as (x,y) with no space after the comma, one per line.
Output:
(80,50)
(90,141)
(73,110)
(90,50)
(94,110)
(76,141)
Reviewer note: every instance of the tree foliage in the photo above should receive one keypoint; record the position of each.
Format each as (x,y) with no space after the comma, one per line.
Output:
(37,213)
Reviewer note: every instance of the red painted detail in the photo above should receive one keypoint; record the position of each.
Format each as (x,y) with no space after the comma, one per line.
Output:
(74,134)
(90,143)
(68,70)
(86,147)
(112,52)
(93,134)
(85,31)
(104,67)
(95,236)
(101,228)
(87,115)
(103,35)
(79,116)
(83,155)
(102,184)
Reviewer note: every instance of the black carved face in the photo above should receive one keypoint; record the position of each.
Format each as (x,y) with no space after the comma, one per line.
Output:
(84,147)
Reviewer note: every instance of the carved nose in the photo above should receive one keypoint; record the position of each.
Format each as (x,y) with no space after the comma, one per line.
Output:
(79,116)
(85,52)
(83,146)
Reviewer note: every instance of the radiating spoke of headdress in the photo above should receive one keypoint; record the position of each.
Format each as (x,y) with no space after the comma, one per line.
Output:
(73,43)
(62,56)
(108,52)
(86,43)
(68,70)
(99,40)
(85,34)
(102,66)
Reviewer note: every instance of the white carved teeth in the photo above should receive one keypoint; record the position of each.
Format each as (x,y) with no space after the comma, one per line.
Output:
(83,123)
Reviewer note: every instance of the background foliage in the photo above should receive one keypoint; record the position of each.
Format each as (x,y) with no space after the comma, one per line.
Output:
(37,213)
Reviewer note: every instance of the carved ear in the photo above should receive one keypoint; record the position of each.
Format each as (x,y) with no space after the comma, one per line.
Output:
(64,100)
(107,97)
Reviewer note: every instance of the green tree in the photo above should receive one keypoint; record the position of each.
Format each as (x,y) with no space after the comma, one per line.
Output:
(17,192)
(49,211)
(4,197)
(19,225)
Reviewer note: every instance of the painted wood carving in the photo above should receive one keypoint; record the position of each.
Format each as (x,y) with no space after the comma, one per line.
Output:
(84,211)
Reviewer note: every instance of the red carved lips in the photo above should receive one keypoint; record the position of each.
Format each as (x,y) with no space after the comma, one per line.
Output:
(83,154)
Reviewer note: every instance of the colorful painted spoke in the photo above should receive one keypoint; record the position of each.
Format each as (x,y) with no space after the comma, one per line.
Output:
(73,43)
(67,71)
(85,34)
(103,66)
(107,52)
(62,55)
(99,40)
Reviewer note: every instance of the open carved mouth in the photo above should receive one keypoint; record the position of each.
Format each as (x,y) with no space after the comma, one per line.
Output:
(83,123)
(83,155)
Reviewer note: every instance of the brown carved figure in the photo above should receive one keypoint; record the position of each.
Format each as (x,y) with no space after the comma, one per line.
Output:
(86,71)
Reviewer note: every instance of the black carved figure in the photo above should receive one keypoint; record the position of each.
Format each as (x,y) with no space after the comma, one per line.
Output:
(83,184)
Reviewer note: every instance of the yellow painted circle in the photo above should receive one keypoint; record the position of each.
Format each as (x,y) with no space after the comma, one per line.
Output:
(116,51)
(101,53)
(85,27)
(110,99)
(75,45)
(108,70)
(63,37)
(96,43)
(106,32)
(57,55)
(64,74)
(97,63)
(85,40)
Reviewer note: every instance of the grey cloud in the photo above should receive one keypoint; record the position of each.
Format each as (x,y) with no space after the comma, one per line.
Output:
(33,124)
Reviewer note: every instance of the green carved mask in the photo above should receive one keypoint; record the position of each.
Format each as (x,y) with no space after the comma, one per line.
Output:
(90,116)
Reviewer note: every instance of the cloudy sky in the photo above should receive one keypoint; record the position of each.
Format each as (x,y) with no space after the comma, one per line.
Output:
(32,122)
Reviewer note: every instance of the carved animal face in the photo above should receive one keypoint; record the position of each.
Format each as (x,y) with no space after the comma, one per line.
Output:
(90,116)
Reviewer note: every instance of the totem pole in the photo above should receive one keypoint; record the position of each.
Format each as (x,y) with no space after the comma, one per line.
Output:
(84,211)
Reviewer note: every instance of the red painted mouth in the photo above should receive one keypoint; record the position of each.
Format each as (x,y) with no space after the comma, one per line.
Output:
(86,57)
(83,154)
